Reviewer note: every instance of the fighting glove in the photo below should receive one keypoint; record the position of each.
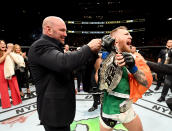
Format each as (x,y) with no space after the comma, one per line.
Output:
(130,62)
(107,43)
(105,54)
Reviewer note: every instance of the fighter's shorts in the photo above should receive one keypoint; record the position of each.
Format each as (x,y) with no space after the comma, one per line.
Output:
(107,123)
(125,117)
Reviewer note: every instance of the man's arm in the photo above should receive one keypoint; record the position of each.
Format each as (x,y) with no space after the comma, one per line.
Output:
(50,57)
(160,68)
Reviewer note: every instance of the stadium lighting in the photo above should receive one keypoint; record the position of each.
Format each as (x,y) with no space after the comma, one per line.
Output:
(169,18)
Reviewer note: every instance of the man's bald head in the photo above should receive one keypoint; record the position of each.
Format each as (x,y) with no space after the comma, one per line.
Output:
(54,27)
(51,20)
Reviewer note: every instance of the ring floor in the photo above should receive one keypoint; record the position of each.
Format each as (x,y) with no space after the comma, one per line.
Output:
(155,116)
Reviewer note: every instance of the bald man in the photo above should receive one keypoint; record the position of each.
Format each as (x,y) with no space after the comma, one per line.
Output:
(52,72)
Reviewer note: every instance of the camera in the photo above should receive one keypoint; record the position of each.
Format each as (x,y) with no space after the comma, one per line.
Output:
(108,43)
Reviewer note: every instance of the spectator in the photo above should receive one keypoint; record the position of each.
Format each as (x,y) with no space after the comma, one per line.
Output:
(22,73)
(8,77)
(66,48)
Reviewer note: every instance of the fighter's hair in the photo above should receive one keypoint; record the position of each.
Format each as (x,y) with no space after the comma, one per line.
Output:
(116,29)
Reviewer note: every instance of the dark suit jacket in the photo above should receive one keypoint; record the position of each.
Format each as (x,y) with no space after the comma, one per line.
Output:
(52,72)
(160,68)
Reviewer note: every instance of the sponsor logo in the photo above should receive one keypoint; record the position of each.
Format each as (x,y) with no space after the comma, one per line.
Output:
(92,124)
(17,119)
(20,109)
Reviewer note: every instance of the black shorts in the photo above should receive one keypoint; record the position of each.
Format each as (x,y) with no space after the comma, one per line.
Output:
(108,122)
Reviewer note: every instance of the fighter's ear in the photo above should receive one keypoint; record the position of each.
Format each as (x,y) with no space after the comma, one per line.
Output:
(116,40)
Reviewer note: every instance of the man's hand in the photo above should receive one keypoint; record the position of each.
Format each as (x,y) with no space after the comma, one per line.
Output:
(95,45)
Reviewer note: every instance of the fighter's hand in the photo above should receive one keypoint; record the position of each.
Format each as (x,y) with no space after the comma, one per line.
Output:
(129,60)
(125,59)
(95,45)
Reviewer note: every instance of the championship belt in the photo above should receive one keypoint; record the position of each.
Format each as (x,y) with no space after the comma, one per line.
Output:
(109,73)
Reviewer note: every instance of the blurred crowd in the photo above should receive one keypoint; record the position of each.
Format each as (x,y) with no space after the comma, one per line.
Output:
(14,74)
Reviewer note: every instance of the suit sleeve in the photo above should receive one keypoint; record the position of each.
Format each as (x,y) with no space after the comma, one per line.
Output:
(58,61)
(160,68)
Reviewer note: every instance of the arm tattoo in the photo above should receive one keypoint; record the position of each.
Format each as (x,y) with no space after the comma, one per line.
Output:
(141,78)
